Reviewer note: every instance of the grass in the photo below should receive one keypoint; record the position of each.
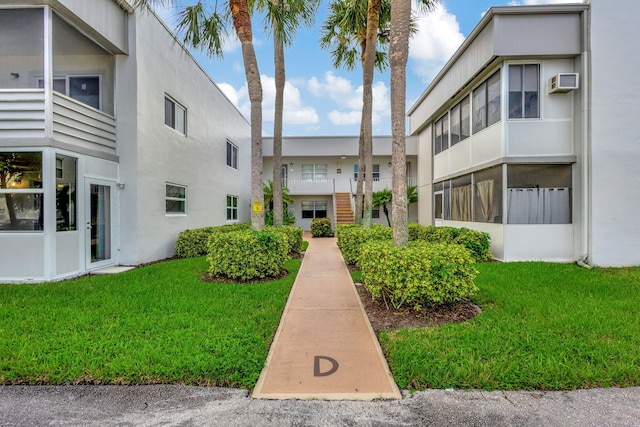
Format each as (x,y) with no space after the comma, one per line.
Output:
(543,326)
(156,324)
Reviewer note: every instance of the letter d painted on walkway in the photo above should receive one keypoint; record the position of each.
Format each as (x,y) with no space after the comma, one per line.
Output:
(316,366)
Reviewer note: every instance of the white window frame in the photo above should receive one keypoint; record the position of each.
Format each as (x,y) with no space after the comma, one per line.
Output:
(232,155)
(67,86)
(39,191)
(176,199)
(522,91)
(233,210)
(175,105)
(376,171)
(312,172)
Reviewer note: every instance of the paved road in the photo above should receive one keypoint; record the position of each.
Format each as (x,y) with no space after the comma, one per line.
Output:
(187,406)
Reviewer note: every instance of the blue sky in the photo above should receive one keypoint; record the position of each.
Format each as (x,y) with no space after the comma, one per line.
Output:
(321,100)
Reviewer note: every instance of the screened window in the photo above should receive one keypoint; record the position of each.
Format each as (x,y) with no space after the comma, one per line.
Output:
(314,208)
(465,118)
(232,155)
(376,172)
(455,124)
(175,115)
(461,198)
(232,208)
(524,89)
(441,135)
(487,195)
(539,194)
(486,103)
(312,172)
(176,199)
(21,191)
(66,179)
(442,200)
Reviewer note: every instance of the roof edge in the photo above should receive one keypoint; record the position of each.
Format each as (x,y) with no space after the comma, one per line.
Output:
(491,13)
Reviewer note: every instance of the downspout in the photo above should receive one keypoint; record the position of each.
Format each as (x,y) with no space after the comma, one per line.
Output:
(586,143)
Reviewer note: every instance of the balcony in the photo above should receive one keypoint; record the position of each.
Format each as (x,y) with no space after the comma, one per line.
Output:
(23,114)
(382,183)
(299,186)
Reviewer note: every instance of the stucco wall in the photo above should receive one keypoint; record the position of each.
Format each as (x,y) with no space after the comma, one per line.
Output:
(196,160)
(615,133)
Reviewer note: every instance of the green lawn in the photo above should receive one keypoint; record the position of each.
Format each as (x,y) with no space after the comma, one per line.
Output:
(156,324)
(543,326)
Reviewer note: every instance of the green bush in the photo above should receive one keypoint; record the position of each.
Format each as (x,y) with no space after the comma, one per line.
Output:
(288,218)
(294,236)
(321,227)
(477,242)
(421,274)
(247,254)
(193,243)
(351,238)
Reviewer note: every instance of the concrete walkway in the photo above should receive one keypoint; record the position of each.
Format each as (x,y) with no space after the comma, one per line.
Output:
(324,347)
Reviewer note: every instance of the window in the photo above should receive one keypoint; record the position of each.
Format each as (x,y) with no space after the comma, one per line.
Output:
(375,213)
(465,118)
(175,115)
(442,200)
(232,155)
(524,88)
(85,89)
(314,172)
(376,172)
(539,194)
(66,178)
(487,195)
(441,134)
(314,208)
(486,103)
(461,198)
(176,199)
(21,191)
(232,208)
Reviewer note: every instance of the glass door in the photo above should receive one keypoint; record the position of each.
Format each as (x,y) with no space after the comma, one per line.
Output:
(99,224)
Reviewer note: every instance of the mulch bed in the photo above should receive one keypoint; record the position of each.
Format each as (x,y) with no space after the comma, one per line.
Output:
(383,318)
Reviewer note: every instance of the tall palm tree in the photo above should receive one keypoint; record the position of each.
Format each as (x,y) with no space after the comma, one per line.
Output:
(398,54)
(282,18)
(357,32)
(203,28)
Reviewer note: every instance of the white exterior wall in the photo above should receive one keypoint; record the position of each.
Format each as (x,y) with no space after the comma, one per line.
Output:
(196,160)
(615,133)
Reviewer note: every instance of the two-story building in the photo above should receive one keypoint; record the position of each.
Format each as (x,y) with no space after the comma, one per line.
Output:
(112,140)
(321,175)
(530,132)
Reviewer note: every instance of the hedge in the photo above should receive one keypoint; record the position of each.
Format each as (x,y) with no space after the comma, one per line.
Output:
(352,237)
(193,243)
(247,254)
(477,242)
(294,236)
(321,227)
(421,274)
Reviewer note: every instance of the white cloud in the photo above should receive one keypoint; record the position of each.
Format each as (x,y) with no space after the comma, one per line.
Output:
(437,39)
(348,98)
(295,113)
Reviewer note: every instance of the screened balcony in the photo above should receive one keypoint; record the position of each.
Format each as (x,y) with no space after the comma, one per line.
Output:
(54,81)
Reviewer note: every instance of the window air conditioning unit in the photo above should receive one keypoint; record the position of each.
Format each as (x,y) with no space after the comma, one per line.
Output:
(563,83)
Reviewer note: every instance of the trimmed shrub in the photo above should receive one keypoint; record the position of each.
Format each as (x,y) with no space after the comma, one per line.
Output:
(321,227)
(193,243)
(248,254)
(351,238)
(477,242)
(294,236)
(421,274)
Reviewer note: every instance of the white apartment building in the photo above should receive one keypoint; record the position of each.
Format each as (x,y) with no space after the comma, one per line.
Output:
(321,174)
(531,133)
(112,140)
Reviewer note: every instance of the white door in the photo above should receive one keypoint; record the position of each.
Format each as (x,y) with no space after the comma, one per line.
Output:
(100,219)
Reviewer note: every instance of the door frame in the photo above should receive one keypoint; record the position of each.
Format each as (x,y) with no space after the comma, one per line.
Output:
(89,265)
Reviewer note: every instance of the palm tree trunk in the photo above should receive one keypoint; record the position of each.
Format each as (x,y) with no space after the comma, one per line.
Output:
(278,60)
(360,181)
(242,24)
(398,53)
(368,64)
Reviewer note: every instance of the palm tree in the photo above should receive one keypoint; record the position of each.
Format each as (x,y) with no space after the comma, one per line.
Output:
(359,30)
(283,17)
(204,29)
(384,197)
(398,54)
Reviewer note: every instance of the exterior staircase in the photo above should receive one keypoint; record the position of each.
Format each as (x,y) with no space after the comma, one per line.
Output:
(344,212)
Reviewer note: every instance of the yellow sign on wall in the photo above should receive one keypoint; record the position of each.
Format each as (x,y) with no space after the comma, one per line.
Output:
(257,207)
